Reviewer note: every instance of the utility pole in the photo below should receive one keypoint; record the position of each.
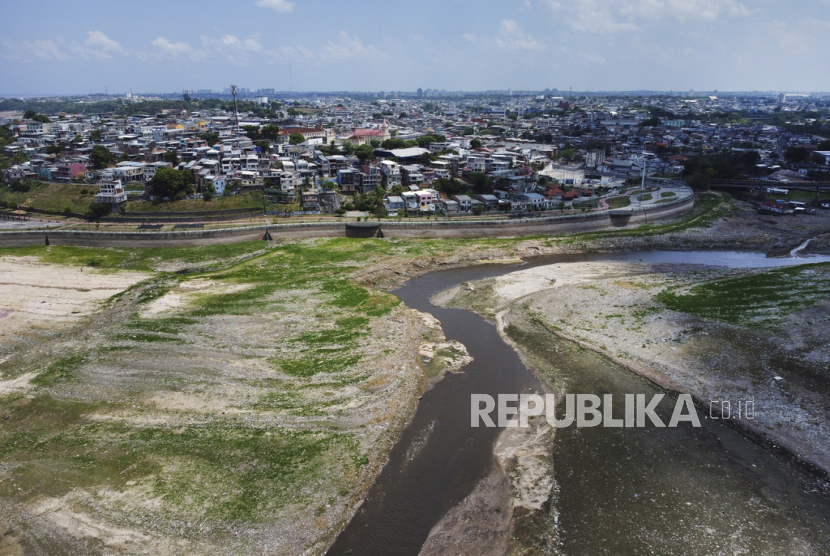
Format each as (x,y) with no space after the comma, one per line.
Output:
(235,111)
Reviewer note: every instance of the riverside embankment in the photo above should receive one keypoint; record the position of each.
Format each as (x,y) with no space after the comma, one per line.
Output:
(390,228)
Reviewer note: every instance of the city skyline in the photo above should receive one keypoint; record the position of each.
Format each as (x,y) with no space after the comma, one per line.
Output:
(589,45)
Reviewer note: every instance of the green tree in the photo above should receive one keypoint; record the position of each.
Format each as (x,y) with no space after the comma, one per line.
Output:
(101,156)
(296,138)
(41,118)
(186,98)
(481,183)
(208,192)
(270,132)
(210,137)
(475,143)
(347,147)
(393,144)
(18,186)
(29,114)
(97,210)
(96,135)
(251,131)
(824,145)
(365,153)
(699,181)
(172,158)
(450,186)
(56,148)
(425,140)
(796,154)
(172,184)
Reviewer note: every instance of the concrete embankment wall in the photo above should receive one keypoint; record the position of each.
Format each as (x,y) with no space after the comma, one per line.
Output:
(432,228)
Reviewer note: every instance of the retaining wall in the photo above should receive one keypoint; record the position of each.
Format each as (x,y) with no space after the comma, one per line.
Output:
(594,221)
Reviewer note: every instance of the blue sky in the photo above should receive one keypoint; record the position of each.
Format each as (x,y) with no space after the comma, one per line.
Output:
(50,47)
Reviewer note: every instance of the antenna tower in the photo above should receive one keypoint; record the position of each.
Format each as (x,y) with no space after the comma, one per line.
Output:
(235,111)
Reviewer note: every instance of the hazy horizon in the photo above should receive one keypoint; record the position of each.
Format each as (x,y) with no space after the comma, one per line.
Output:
(589,45)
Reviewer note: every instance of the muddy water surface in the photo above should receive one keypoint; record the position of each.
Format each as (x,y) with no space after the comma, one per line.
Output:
(649,490)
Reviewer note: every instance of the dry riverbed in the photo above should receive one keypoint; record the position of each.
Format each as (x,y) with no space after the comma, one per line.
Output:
(243,409)
(243,397)
(718,334)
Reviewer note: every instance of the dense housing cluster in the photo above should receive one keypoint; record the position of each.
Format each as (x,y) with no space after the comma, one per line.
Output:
(422,153)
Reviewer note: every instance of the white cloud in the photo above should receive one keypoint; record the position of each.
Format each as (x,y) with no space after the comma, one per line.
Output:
(469,37)
(250,45)
(593,58)
(807,37)
(608,16)
(277,5)
(347,47)
(512,37)
(97,46)
(165,49)
(99,40)
(29,51)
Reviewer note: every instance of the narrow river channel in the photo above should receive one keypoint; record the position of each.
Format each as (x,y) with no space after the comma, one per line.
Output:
(686,490)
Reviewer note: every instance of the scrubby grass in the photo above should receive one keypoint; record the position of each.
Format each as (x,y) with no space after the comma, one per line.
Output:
(52,196)
(142,259)
(667,194)
(757,301)
(796,195)
(249,199)
(619,202)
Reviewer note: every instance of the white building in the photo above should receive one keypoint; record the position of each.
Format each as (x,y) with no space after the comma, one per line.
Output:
(111,193)
(476,163)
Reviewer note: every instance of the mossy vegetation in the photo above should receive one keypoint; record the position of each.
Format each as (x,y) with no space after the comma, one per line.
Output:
(761,300)
(59,371)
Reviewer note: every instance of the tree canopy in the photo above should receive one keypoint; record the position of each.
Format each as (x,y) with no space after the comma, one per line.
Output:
(481,183)
(172,158)
(210,137)
(796,154)
(101,156)
(296,138)
(450,186)
(365,152)
(170,183)
(475,143)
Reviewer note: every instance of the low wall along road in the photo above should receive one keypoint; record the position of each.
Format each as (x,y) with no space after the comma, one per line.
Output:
(591,221)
